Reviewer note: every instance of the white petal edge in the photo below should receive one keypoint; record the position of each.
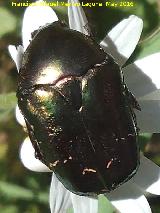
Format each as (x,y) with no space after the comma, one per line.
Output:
(123,38)
(77,18)
(16,54)
(148,176)
(128,198)
(84,204)
(59,198)
(19,117)
(27,155)
(35,17)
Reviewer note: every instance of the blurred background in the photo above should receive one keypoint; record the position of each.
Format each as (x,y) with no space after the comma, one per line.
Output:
(22,190)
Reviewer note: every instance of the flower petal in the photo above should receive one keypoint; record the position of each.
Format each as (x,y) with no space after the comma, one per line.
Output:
(84,204)
(123,38)
(27,155)
(16,54)
(147,119)
(35,17)
(20,117)
(148,176)
(59,199)
(128,198)
(141,81)
(142,77)
(150,66)
(153,96)
(77,18)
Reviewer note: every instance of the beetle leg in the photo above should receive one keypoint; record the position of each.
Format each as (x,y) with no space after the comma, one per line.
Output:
(38,153)
(87,28)
(132,99)
(134,105)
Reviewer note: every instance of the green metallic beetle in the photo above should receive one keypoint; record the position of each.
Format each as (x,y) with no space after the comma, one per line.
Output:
(78,110)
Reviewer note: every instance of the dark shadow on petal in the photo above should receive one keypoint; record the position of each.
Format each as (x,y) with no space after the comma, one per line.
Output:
(148,174)
(112,49)
(140,84)
(126,191)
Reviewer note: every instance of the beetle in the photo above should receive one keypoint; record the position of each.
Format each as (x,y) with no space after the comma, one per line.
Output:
(78,110)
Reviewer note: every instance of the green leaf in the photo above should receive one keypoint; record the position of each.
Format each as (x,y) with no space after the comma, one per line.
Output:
(9,209)
(70,210)
(43,197)
(104,205)
(7,101)
(4,115)
(143,139)
(7,21)
(150,45)
(13,191)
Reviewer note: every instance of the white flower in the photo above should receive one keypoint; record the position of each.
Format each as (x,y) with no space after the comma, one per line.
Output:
(142,79)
